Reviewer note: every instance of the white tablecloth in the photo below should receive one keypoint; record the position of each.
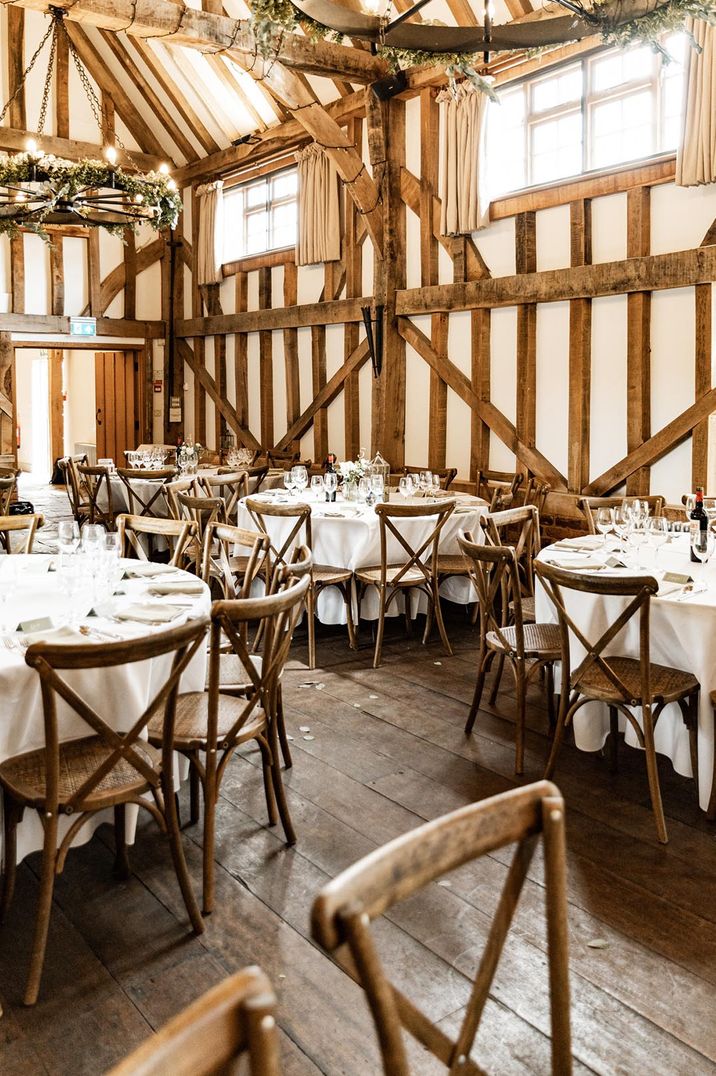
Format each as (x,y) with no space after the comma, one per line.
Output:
(683,635)
(121,694)
(347,535)
(146,488)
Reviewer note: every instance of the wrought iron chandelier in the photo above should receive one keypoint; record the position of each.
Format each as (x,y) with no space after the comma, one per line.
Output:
(37,189)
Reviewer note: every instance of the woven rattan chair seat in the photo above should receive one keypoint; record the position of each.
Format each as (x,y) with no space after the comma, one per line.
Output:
(666,683)
(192,718)
(529,615)
(325,574)
(413,577)
(542,639)
(25,775)
(452,564)
(232,671)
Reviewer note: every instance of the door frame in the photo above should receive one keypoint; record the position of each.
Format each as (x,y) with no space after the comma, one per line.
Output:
(143,397)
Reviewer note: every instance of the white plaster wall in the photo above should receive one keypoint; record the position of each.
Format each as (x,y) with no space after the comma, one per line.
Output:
(80,406)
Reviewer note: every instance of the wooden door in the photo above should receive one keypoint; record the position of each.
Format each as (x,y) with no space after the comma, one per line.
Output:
(115,401)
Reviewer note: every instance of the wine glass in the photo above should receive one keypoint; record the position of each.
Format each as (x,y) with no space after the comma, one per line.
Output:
(405,486)
(702,542)
(658,534)
(300,478)
(330,484)
(377,483)
(363,488)
(317,486)
(637,536)
(288,481)
(68,536)
(689,504)
(604,521)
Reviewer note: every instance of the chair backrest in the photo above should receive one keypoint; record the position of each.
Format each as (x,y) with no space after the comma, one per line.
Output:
(518,527)
(26,525)
(281,550)
(445,474)
(68,465)
(220,559)
(8,485)
(494,574)
(255,476)
(421,555)
(590,505)
(187,484)
(235,1019)
(178,532)
(536,493)
(274,617)
(52,659)
(639,589)
(231,486)
(346,907)
(201,510)
(498,487)
(98,488)
(300,564)
(143,502)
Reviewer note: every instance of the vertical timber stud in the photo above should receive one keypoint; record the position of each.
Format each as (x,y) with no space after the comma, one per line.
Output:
(94,281)
(638,338)
(526,262)
(388,428)
(580,352)
(62,109)
(702,383)
(241,355)
(437,431)
(8,416)
(266,362)
(57,275)
(290,349)
(130,276)
(57,440)
(197,310)
(213,308)
(352,256)
(16,66)
(480,325)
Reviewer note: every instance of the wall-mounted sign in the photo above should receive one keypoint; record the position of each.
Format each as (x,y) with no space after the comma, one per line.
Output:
(157,386)
(83,326)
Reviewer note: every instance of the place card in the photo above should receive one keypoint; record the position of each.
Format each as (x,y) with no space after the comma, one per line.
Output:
(677,577)
(40,623)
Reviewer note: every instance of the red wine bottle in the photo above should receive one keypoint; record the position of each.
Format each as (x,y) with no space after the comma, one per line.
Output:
(697,515)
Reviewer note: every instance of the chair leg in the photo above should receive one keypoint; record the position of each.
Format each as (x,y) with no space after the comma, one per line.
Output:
(548,672)
(485,662)
(693,726)
(209,837)
(11,817)
(521,692)
(279,791)
(121,859)
(177,851)
(311,614)
(428,624)
(194,794)
(558,734)
(44,908)
(613,739)
(440,622)
(281,725)
(266,761)
(381,627)
(348,598)
(497,680)
(653,776)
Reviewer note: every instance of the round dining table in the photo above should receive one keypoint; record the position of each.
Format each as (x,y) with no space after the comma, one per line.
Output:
(682,629)
(147,488)
(346,534)
(39,602)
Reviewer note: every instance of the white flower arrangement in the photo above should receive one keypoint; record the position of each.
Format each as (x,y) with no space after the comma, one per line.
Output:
(353,470)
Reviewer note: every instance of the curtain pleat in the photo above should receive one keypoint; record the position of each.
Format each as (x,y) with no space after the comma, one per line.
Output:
(696,155)
(319,226)
(209,256)
(465,205)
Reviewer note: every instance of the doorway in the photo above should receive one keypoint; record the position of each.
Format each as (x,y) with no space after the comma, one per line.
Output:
(116,392)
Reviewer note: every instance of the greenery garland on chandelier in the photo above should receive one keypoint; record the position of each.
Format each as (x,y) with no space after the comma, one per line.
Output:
(56,183)
(646,29)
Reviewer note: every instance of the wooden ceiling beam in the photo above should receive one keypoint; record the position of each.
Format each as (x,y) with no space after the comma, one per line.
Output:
(208,31)
(71,149)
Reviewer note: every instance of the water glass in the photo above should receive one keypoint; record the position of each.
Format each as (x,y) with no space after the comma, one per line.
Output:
(658,534)
(377,484)
(68,536)
(330,484)
(702,542)
(288,481)
(604,521)
(637,537)
(363,489)
(299,474)
(317,486)
(405,486)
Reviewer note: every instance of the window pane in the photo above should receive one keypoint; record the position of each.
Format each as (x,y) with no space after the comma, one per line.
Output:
(256,194)
(561,89)
(617,68)
(285,184)
(622,129)
(556,146)
(506,170)
(252,223)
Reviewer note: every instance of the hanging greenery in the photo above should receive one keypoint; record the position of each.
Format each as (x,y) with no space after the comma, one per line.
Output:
(610,24)
(50,185)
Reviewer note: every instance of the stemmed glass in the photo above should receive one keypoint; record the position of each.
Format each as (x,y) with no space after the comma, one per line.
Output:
(330,484)
(604,521)
(658,534)
(317,486)
(288,481)
(299,474)
(405,486)
(363,488)
(621,521)
(68,536)
(702,543)
(637,536)
(377,483)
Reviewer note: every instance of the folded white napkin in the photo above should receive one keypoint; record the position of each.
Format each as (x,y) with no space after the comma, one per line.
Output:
(148,613)
(177,586)
(587,544)
(62,634)
(577,565)
(147,568)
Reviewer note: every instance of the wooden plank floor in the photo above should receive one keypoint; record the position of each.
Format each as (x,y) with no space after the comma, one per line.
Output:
(385,751)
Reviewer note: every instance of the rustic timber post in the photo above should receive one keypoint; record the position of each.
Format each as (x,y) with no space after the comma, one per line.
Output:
(8,416)
(429,140)
(580,351)
(638,338)
(526,262)
(386,139)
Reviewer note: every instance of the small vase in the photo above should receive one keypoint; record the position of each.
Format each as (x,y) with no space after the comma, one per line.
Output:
(350,491)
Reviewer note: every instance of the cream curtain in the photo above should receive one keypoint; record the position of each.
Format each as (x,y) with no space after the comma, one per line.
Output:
(465,205)
(209,256)
(319,226)
(696,155)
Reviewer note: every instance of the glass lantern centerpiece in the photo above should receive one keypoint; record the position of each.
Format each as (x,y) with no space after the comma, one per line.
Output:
(381,467)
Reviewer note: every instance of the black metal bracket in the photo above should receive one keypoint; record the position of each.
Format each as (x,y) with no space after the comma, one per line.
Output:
(375,340)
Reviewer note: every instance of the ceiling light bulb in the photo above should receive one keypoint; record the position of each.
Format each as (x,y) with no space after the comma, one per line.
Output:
(31,145)
(164,169)
(172,186)
(20,196)
(111,154)
(371,7)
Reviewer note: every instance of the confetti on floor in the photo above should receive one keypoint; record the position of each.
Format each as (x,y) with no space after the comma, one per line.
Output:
(304,728)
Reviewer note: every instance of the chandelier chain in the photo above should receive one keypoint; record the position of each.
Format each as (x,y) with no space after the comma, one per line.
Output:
(26,72)
(89,89)
(48,81)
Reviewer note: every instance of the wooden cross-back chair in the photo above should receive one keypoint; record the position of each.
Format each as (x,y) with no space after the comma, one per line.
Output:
(106,768)
(498,488)
(232,1022)
(255,476)
(186,484)
(622,683)
(147,503)
(76,494)
(25,526)
(322,575)
(417,569)
(590,506)
(99,494)
(233,571)
(447,475)
(202,511)
(231,486)
(345,909)
(8,486)
(527,647)
(178,533)
(518,527)
(210,725)
(536,493)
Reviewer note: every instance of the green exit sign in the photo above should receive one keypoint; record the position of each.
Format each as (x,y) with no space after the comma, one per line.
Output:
(83,326)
